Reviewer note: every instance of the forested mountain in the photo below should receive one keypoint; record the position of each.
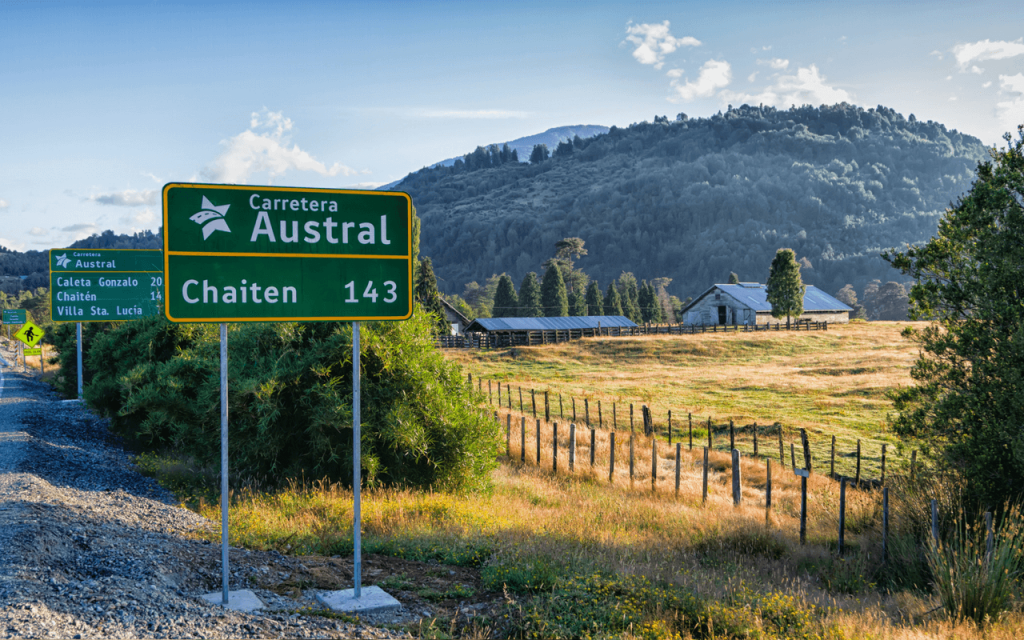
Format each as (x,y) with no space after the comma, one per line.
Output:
(36,264)
(693,199)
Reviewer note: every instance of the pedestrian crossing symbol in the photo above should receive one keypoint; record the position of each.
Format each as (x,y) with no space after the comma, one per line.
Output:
(30,334)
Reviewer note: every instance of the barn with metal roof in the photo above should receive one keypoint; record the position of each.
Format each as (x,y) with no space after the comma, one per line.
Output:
(747,303)
(571,323)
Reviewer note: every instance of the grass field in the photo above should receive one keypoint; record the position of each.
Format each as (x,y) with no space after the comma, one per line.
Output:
(829,382)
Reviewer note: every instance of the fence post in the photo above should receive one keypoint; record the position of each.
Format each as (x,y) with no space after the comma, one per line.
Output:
(547,408)
(768,492)
(883,465)
(480,385)
(508,435)
(520,399)
(842,514)
(533,399)
(586,410)
(611,457)
(679,448)
(782,451)
(885,524)
(538,440)
(654,465)
(572,448)
(689,418)
(803,508)
(832,460)
(736,490)
(554,447)
(935,519)
(755,439)
(704,497)
(631,458)
(560,413)
(858,464)
(499,393)
(792,455)
(593,438)
(508,389)
(574,409)
(807,449)
(913,463)
(670,426)
(711,445)
(600,416)
(615,419)
(732,436)
(522,442)
(631,428)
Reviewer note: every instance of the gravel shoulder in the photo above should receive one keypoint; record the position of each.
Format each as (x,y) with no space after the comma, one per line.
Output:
(90,548)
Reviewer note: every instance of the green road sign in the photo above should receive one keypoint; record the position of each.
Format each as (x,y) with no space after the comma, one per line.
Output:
(102,285)
(241,253)
(14,316)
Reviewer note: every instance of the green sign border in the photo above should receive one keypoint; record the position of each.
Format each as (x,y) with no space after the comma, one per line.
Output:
(52,307)
(196,185)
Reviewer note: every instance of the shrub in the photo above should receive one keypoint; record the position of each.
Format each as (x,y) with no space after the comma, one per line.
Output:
(289,395)
(970,582)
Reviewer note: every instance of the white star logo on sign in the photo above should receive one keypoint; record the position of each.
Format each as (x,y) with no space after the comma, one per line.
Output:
(215,216)
(63,260)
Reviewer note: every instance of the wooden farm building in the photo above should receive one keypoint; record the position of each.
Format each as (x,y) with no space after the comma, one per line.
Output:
(747,303)
(455,318)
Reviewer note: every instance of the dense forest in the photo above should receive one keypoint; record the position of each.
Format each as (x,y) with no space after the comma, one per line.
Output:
(695,199)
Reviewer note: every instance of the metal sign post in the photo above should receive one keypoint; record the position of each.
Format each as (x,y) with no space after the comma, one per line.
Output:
(78,336)
(238,253)
(357,476)
(224,458)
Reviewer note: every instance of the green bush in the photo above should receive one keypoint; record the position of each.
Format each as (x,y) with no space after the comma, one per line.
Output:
(970,582)
(289,395)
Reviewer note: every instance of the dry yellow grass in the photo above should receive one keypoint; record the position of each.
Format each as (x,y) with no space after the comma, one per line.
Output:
(830,383)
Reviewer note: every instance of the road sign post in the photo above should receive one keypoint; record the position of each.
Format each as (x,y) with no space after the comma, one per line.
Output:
(256,254)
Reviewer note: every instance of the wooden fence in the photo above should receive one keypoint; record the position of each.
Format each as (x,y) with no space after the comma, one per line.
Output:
(843,459)
(503,339)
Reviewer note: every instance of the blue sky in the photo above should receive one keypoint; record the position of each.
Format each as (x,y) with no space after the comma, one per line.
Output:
(102,103)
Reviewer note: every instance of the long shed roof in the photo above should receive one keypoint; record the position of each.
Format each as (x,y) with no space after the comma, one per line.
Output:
(548,324)
(753,295)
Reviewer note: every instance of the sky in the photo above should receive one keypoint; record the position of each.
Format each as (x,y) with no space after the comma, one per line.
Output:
(102,103)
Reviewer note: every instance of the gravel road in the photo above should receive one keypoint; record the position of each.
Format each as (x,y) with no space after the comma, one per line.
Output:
(89,548)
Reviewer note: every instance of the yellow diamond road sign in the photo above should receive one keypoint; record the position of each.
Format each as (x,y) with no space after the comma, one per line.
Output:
(30,334)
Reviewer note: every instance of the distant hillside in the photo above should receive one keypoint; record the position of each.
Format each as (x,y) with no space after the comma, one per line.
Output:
(36,264)
(693,199)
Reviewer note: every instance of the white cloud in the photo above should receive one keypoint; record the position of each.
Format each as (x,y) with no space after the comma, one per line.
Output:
(752,77)
(986,50)
(1009,111)
(808,86)
(479,114)
(714,75)
(38,232)
(775,63)
(987,85)
(264,147)
(140,220)
(4,204)
(937,54)
(126,198)
(14,246)
(366,185)
(952,98)
(654,42)
(976,69)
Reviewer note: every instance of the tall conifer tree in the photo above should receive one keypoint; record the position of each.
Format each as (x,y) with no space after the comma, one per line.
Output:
(595,301)
(612,301)
(785,289)
(529,297)
(506,303)
(552,293)
(428,295)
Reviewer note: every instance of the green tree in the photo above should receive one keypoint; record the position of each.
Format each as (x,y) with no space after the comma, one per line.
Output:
(969,398)
(553,297)
(506,303)
(630,291)
(612,301)
(733,278)
(595,301)
(529,297)
(428,296)
(785,289)
(540,153)
(461,305)
(577,302)
(848,296)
